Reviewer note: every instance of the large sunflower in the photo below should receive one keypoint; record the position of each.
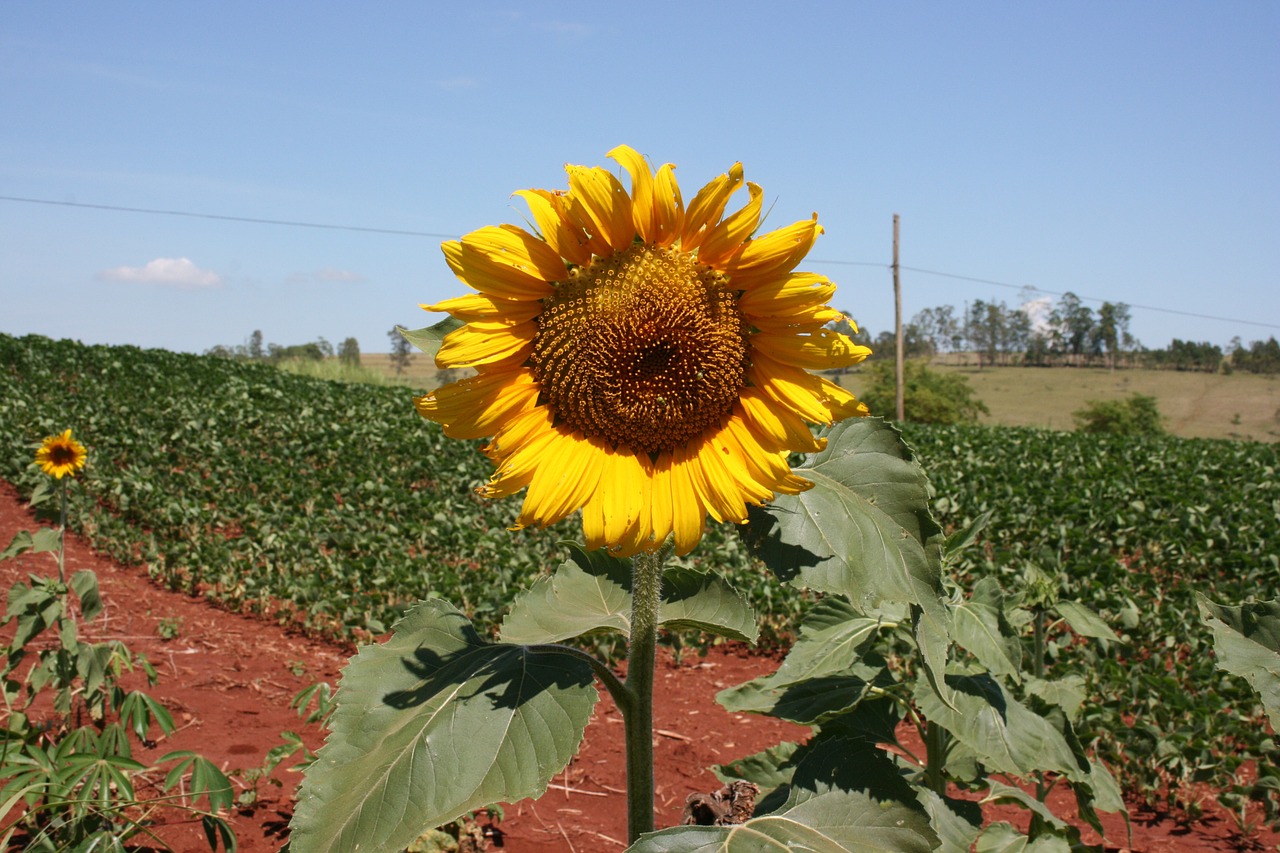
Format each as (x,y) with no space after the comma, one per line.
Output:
(60,455)
(643,360)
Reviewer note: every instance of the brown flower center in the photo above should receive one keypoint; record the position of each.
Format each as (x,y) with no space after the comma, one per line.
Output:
(646,348)
(62,454)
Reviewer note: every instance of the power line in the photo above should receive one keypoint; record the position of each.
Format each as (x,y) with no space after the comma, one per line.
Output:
(254,220)
(409,233)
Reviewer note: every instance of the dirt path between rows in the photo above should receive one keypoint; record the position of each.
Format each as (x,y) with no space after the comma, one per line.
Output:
(228,680)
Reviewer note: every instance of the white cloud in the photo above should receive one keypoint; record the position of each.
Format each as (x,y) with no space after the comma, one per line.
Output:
(1039,310)
(170,272)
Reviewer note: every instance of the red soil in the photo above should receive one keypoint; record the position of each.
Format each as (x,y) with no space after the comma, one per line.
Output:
(228,680)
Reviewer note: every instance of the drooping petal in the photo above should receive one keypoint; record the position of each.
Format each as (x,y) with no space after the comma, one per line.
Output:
(707,207)
(668,206)
(565,479)
(730,233)
(552,217)
(478,406)
(516,469)
(780,425)
(772,255)
(660,500)
(643,210)
(476,307)
(766,465)
(716,486)
(484,343)
(688,515)
(799,291)
(507,245)
(602,205)
(823,349)
(490,278)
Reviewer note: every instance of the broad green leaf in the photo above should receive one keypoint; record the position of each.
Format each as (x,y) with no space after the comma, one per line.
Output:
(966,536)
(831,636)
(429,339)
(976,627)
(1005,735)
(1002,793)
(807,701)
(864,530)
(836,822)
(768,769)
(1067,693)
(85,584)
(433,723)
(1003,838)
(45,539)
(1246,639)
(591,592)
(1084,621)
(956,822)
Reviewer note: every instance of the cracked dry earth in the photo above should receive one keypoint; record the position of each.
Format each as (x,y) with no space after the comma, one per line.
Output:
(228,680)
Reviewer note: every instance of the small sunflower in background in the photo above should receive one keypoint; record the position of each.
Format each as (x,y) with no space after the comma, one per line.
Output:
(642,359)
(60,455)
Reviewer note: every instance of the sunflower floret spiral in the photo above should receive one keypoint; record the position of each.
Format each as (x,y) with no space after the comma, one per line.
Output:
(647,362)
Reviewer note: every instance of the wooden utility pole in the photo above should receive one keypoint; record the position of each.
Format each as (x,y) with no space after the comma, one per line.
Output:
(897,326)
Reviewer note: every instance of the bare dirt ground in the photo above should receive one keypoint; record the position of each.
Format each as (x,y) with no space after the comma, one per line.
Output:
(228,679)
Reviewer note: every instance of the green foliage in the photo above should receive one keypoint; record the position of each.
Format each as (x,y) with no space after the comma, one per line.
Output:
(929,397)
(1135,415)
(340,502)
(68,777)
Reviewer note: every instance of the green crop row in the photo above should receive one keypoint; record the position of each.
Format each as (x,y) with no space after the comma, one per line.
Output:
(332,506)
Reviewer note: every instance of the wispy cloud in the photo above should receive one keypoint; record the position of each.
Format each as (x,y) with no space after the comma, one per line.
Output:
(332,274)
(168,272)
(324,276)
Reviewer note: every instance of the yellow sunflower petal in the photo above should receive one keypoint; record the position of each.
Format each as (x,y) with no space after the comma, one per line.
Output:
(707,207)
(688,516)
(717,487)
(771,255)
(601,202)
(623,478)
(660,501)
(552,218)
(668,206)
(766,465)
(509,246)
(481,308)
(780,425)
(518,468)
(797,389)
(730,233)
(492,279)
(823,349)
(483,343)
(798,291)
(518,431)
(753,490)
(565,479)
(476,407)
(643,211)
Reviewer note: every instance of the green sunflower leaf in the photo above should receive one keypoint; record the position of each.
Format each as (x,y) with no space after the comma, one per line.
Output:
(834,822)
(429,339)
(591,592)
(1246,639)
(864,530)
(433,723)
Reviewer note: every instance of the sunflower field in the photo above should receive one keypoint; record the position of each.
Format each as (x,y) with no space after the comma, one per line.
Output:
(333,506)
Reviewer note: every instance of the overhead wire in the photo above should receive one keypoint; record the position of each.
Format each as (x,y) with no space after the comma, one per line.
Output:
(411,233)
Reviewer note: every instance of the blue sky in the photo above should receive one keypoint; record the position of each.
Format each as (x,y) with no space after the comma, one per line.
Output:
(1125,151)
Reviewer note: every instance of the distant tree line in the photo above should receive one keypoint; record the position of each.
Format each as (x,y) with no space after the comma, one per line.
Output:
(1065,333)
(318,350)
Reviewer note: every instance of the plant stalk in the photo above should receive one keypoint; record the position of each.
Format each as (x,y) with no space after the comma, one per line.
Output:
(62,531)
(646,592)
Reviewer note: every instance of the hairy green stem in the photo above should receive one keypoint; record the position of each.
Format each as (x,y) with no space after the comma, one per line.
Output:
(62,531)
(646,592)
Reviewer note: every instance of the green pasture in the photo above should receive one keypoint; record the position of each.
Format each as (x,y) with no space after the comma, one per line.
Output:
(331,505)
